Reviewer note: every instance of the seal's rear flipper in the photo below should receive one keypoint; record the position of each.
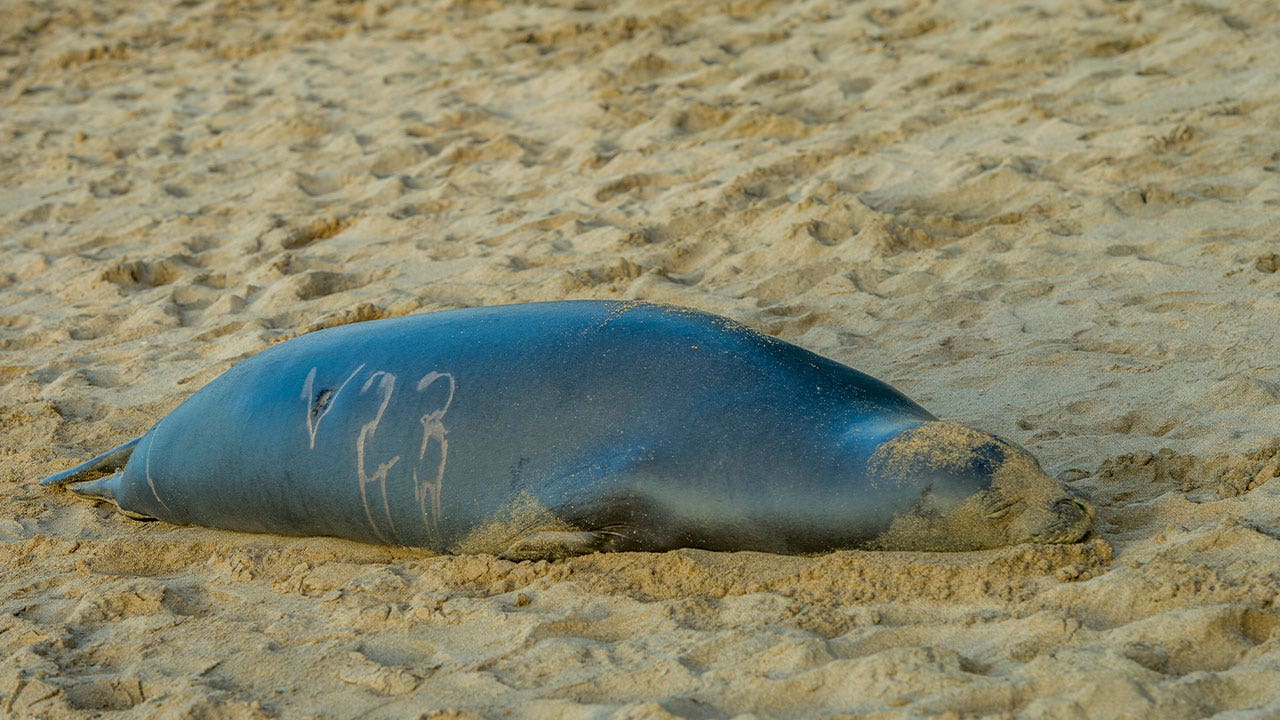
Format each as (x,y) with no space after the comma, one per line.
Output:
(554,544)
(108,462)
(90,479)
(105,488)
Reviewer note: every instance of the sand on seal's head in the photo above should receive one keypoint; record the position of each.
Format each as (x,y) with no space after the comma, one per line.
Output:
(978,491)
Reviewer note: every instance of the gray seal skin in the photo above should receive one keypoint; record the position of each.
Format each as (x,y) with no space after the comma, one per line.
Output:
(555,429)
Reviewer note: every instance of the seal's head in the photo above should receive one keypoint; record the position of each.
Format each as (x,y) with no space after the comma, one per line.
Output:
(973,491)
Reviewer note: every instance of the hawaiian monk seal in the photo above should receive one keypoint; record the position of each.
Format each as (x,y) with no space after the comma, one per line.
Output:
(554,429)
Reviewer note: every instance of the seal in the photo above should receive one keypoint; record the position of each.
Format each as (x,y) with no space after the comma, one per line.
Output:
(546,430)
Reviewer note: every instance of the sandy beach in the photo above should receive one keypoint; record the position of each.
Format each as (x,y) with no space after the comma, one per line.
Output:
(1054,221)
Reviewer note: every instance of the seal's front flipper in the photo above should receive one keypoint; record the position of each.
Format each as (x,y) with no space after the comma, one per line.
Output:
(108,462)
(554,544)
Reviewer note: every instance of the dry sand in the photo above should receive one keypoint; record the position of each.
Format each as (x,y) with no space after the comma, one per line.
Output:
(1053,220)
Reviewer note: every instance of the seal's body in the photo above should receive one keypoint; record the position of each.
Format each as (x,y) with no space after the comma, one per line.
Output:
(551,429)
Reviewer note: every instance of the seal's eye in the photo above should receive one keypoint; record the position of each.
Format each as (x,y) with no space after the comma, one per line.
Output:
(1000,507)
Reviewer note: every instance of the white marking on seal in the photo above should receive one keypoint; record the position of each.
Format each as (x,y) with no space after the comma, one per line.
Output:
(146,470)
(313,419)
(433,429)
(386,386)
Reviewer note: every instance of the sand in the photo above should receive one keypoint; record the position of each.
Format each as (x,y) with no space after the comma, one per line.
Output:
(1055,221)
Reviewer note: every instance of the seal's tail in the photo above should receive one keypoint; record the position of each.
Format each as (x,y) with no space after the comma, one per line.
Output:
(108,462)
